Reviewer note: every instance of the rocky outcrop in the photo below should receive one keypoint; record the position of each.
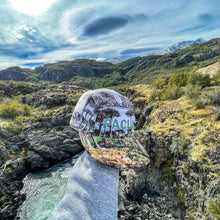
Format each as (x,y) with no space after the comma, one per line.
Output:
(16,74)
(181,181)
(144,194)
(210,70)
(55,95)
(64,71)
(47,149)
(46,141)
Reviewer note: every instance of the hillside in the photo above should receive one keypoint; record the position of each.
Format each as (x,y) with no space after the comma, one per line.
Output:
(136,70)
(146,69)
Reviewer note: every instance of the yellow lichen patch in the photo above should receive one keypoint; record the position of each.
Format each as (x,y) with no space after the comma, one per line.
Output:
(201,113)
(143,89)
(197,152)
(180,116)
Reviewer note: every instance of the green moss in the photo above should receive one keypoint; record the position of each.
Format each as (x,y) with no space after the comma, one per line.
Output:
(3,198)
(168,173)
(9,169)
(181,198)
(214,208)
(183,145)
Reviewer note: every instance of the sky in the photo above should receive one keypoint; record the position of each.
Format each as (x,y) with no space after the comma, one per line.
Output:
(34,32)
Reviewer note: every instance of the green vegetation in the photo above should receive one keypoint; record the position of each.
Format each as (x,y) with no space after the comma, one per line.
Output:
(181,63)
(208,98)
(181,198)
(199,80)
(13,88)
(12,109)
(170,93)
(161,82)
(216,78)
(168,172)
(214,208)
(179,79)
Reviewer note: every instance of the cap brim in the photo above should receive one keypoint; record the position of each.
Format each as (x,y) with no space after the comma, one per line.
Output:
(122,153)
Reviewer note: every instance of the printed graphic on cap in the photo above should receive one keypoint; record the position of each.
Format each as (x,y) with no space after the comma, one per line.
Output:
(105,121)
(116,152)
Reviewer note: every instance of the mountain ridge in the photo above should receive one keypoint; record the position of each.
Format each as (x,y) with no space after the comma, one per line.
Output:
(182,45)
(135,70)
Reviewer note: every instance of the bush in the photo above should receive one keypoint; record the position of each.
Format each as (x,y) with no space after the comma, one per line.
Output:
(179,79)
(160,83)
(12,127)
(216,112)
(155,95)
(201,101)
(214,208)
(16,126)
(170,93)
(208,98)
(199,79)
(11,110)
(216,78)
(192,91)
(181,197)
(214,97)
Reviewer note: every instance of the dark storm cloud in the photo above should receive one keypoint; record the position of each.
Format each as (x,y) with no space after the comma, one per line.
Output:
(104,25)
(139,50)
(205,18)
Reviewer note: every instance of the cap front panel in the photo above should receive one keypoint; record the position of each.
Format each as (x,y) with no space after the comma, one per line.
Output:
(105,121)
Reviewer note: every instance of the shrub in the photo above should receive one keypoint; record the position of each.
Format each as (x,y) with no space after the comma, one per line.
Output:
(208,98)
(155,95)
(2,94)
(216,78)
(216,112)
(214,97)
(11,110)
(214,208)
(26,110)
(12,127)
(181,197)
(179,79)
(201,101)
(16,126)
(160,83)
(172,92)
(199,79)
(192,91)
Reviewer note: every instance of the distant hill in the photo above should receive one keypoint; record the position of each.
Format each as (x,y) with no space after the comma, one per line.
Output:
(148,68)
(135,70)
(58,72)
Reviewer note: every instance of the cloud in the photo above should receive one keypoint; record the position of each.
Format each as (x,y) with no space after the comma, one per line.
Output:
(203,22)
(139,50)
(104,26)
(205,18)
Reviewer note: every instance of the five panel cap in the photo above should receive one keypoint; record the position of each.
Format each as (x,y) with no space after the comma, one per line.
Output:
(105,122)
